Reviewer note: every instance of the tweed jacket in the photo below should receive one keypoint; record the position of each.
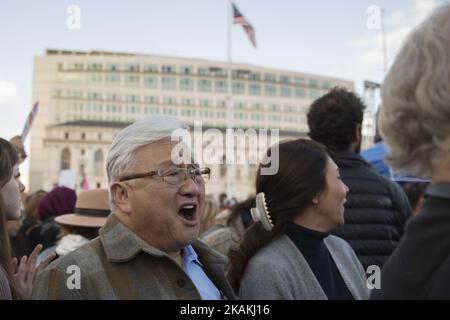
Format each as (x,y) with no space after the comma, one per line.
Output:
(120,265)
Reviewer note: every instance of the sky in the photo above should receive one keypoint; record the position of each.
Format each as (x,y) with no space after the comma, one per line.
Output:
(332,38)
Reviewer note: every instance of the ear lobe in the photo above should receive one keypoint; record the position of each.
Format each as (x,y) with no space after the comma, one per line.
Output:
(120,197)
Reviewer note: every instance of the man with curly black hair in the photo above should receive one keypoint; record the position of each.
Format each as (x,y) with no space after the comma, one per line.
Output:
(377,208)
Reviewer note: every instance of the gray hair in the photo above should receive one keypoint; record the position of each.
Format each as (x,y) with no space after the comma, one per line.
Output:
(142,132)
(415,118)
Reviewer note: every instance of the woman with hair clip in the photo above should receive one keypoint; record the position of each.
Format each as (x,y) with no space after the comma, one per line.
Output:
(288,253)
(13,285)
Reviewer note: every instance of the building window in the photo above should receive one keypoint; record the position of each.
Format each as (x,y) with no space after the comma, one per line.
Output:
(99,136)
(255,89)
(132,98)
(98,161)
(94,66)
(186,84)
(66,135)
(205,103)
(186,70)
(151,82)
(285,79)
(220,86)
(223,168)
(285,91)
(170,100)
(113,78)
(299,80)
(168,69)
(254,76)
(239,87)
(65,159)
(112,67)
(150,68)
(274,107)
(132,68)
(204,85)
(202,71)
(313,83)
(327,84)
(300,92)
(132,81)
(151,99)
(82,152)
(82,169)
(83,136)
(270,77)
(270,90)
(168,83)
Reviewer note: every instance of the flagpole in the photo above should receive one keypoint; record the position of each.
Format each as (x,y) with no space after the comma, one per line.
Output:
(230,167)
(383,38)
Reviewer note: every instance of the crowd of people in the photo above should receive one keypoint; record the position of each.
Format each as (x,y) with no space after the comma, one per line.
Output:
(310,231)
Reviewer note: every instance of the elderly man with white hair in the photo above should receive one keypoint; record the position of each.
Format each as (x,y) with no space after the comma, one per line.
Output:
(415,122)
(148,248)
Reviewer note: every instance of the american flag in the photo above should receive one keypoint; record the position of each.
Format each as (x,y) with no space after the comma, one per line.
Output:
(238,18)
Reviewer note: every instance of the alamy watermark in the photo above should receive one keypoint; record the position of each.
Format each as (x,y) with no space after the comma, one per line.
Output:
(236,146)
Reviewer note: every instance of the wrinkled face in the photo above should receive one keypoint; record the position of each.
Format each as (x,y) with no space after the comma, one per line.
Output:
(167,216)
(10,194)
(331,201)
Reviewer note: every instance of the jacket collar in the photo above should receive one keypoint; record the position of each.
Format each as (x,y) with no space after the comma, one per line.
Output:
(121,244)
(348,159)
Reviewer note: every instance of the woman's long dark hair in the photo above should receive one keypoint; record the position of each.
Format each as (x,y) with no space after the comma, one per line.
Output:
(300,177)
(8,159)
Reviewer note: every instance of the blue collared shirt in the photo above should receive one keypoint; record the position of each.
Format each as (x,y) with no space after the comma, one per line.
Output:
(194,268)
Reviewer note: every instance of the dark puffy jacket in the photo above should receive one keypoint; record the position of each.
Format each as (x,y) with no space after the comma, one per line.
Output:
(375,212)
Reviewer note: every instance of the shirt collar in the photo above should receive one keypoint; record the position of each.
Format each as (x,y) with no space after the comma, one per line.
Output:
(189,256)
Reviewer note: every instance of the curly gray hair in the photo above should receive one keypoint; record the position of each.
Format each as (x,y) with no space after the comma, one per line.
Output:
(415,118)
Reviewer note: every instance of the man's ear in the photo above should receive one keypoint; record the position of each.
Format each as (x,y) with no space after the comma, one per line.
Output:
(120,197)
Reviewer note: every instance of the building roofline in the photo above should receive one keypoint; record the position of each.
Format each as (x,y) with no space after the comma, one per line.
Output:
(50,52)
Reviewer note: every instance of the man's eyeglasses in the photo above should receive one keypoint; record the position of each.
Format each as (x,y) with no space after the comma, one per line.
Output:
(175,176)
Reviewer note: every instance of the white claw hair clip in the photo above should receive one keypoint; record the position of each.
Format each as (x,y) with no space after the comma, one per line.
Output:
(261,213)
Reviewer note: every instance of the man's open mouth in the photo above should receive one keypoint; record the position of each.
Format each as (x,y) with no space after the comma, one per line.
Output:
(187,211)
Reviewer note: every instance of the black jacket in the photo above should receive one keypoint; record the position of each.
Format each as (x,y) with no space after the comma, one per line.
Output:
(375,212)
(420,266)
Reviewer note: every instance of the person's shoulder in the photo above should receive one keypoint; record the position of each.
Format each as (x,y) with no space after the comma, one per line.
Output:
(86,255)
(5,290)
(274,252)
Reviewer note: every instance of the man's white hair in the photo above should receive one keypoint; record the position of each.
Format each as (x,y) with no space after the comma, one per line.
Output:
(121,159)
(415,117)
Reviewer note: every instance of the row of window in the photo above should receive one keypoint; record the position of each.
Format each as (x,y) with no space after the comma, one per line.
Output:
(197,114)
(201,71)
(119,109)
(111,106)
(200,85)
